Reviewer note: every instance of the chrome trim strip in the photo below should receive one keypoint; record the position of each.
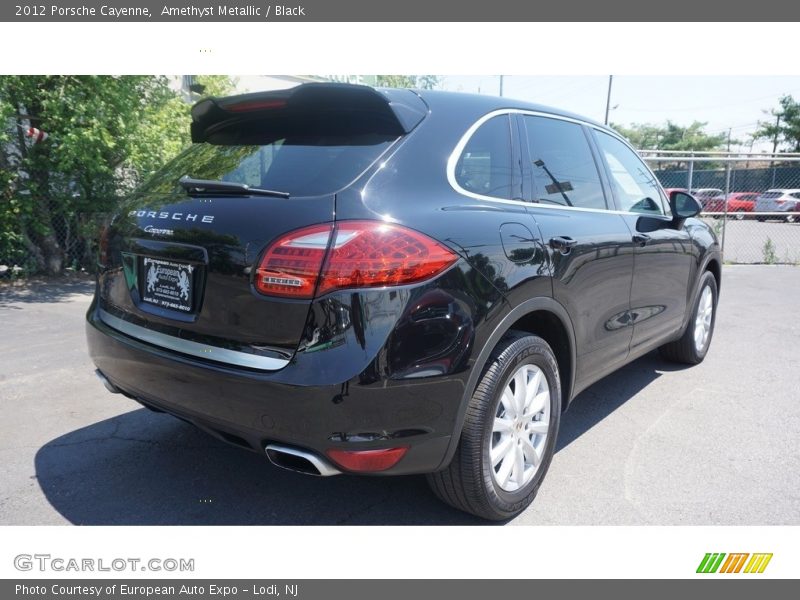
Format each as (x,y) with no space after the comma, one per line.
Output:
(456,154)
(222,355)
(324,467)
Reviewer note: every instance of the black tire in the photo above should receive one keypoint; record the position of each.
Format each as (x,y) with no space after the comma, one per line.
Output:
(468,483)
(684,350)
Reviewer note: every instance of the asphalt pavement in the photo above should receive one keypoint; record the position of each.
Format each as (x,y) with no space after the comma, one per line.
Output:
(654,443)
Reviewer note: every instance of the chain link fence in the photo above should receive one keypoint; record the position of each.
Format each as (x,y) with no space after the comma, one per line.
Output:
(751,201)
(66,243)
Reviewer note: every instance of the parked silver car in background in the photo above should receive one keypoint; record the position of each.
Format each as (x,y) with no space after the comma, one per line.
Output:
(779,201)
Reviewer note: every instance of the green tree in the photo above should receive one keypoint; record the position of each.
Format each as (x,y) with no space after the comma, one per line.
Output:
(785,130)
(424,82)
(644,136)
(670,136)
(12,246)
(105,135)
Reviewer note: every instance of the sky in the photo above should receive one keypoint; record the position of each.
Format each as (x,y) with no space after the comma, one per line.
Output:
(735,102)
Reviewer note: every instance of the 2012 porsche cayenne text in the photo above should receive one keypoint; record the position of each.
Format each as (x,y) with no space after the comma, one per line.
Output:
(353,280)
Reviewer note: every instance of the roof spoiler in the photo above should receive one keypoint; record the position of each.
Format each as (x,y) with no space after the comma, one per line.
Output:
(394,112)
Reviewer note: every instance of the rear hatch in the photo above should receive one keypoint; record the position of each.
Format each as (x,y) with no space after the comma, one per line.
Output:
(178,262)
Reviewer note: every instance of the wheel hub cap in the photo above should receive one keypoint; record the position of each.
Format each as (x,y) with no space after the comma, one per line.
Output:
(519,432)
(702,322)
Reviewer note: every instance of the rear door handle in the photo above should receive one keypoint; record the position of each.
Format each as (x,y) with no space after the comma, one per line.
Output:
(563,244)
(641,239)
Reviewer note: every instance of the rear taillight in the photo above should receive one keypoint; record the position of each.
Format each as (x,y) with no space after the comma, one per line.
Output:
(362,254)
(375,254)
(290,267)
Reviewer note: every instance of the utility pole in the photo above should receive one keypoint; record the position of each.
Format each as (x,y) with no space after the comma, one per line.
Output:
(608,97)
(501,86)
(775,146)
(729,140)
(775,137)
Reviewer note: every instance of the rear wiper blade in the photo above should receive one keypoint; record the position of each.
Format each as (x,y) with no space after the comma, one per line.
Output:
(229,187)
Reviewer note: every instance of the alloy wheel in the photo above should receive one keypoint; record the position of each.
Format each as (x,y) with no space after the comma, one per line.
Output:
(702,321)
(520,428)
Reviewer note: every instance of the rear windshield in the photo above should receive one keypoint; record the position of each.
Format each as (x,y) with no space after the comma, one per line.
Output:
(303,165)
(772,194)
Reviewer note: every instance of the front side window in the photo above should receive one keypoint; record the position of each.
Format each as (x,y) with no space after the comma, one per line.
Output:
(564,171)
(634,185)
(485,165)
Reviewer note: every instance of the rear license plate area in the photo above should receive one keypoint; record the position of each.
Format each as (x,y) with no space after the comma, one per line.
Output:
(168,284)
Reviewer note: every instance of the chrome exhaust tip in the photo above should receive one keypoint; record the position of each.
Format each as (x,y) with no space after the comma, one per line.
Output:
(300,461)
(108,385)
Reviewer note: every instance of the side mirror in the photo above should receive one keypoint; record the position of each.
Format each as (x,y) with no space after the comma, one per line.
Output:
(683,205)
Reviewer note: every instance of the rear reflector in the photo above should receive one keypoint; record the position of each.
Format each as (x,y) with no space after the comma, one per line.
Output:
(363,254)
(363,461)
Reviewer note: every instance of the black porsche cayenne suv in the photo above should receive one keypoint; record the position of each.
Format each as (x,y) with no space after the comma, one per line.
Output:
(388,282)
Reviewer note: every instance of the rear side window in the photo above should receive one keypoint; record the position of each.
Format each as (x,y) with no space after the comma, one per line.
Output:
(635,187)
(564,171)
(302,164)
(484,166)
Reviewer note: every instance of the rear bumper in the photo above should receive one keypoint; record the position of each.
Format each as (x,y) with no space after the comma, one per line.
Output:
(255,409)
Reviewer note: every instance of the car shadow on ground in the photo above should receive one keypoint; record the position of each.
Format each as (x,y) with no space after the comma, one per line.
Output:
(598,401)
(143,468)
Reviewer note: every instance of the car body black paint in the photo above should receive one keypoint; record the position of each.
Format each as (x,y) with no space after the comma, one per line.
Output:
(367,367)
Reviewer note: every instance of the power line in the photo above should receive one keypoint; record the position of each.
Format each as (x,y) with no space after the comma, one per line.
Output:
(717,105)
(734,127)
